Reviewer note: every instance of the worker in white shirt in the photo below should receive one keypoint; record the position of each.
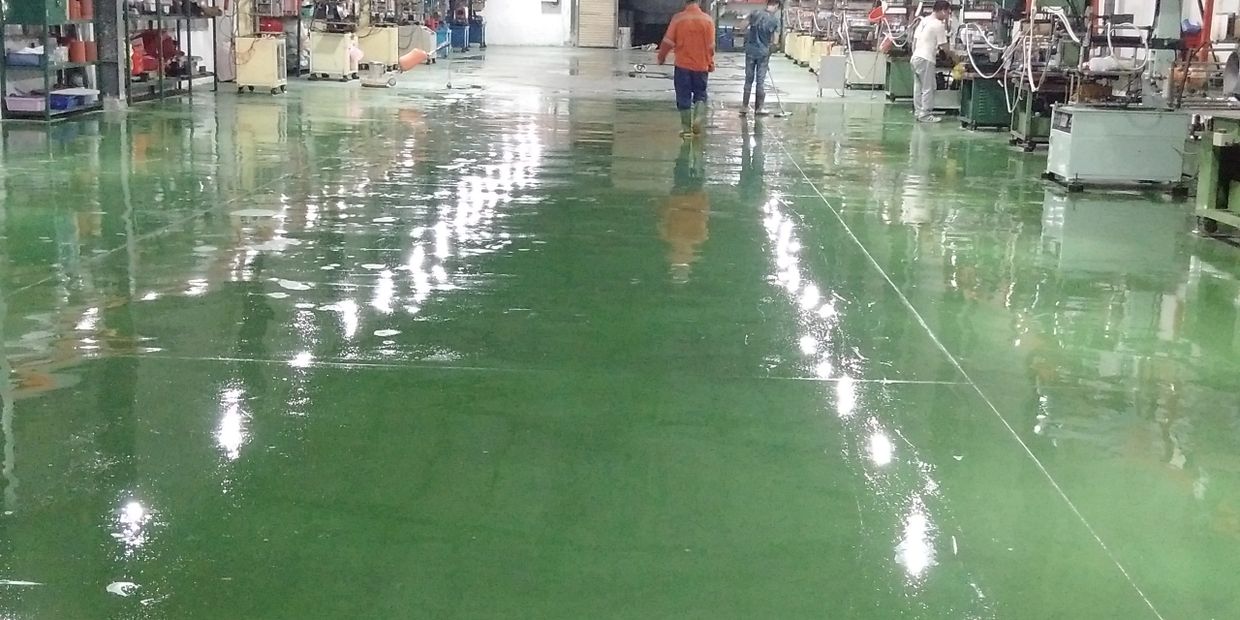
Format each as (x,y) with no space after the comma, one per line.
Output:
(929,38)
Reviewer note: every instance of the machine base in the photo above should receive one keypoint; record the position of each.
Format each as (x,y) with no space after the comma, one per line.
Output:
(1208,220)
(1118,147)
(1176,188)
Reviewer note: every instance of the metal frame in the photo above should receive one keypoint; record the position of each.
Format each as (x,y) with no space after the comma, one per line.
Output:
(50,70)
(164,86)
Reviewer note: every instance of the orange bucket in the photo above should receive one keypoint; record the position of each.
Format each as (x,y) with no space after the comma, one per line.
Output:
(88,9)
(75,9)
(92,51)
(77,51)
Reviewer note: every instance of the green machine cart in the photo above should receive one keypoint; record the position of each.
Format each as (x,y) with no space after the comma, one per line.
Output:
(899,83)
(982,103)
(1218,174)
(1031,117)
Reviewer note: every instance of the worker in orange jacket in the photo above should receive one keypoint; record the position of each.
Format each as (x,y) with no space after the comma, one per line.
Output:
(691,36)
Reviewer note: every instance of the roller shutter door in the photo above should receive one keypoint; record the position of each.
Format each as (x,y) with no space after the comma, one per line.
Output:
(596,23)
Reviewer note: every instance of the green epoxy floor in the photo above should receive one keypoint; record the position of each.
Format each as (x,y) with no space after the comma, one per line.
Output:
(517,353)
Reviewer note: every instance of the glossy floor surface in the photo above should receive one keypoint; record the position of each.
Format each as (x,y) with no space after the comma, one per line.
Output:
(518,353)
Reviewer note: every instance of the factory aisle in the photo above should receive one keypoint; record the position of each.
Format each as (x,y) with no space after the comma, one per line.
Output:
(392,354)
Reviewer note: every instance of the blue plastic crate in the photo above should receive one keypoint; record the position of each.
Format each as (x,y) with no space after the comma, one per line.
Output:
(460,36)
(14,59)
(441,40)
(66,102)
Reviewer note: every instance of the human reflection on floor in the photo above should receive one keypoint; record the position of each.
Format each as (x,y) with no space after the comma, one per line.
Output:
(683,218)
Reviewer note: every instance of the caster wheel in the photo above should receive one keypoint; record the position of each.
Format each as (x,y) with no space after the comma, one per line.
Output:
(1075,188)
(283,89)
(344,78)
(240,89)
(1207,225)
(251,88)
(275,91)
(391,82)
(1028,148)
(1180,191)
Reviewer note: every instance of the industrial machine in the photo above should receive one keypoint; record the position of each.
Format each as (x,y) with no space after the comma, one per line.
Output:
(259,62)
(380,45)
(983,103)
(333,55)
(1093,145)
(334,52)
(867,69)
(382,26)
(857,34)
(1143,123)
(895,31)
(1218,174)
(1028,49)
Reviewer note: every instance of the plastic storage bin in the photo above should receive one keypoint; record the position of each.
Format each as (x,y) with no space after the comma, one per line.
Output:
(478,32)
(442,37)
(65,102)
(19,103)
(15,59)
(460,36)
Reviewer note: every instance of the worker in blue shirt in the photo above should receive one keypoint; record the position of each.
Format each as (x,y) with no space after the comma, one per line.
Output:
(759,41)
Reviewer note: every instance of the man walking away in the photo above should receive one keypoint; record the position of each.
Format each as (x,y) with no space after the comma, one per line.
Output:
(929,38)
(759,39)
(691,36)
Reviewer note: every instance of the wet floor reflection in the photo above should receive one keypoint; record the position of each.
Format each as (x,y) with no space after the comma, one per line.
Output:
(427,341)
(684,217)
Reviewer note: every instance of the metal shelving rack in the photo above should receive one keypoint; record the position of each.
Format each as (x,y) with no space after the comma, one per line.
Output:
(46,21)
(176,18)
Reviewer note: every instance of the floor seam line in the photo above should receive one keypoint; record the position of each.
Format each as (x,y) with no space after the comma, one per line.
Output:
(329,363)
(976,388)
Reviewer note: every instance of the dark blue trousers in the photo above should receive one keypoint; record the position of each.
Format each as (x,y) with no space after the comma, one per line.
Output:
(690,87)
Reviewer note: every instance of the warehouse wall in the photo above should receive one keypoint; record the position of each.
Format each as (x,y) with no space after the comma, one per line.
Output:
(528,22)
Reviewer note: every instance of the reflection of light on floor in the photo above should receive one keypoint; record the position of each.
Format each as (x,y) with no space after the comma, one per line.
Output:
(89,319)
(808,344)
(231,433)
(385,290)
(845,396)
(818,315)
(131,521)
(881,450)
(915,552)
(302,360)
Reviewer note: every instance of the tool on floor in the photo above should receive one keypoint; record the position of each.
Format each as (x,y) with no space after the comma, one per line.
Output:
(782,113)
(640,69)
